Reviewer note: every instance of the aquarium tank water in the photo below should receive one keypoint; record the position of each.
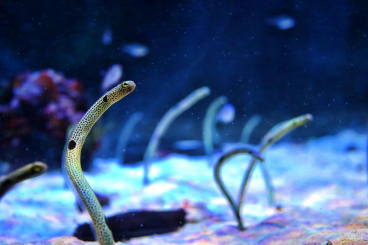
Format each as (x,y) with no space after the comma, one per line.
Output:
(183,122)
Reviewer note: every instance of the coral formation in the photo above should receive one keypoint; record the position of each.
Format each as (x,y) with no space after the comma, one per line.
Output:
(72,155)
(43,105)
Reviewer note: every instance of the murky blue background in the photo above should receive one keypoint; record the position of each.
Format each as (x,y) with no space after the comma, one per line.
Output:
(279,59)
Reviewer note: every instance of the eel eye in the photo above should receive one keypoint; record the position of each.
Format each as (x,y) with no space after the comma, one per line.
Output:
(125,84)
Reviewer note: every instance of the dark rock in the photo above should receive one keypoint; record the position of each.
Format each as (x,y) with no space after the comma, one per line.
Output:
(136,224)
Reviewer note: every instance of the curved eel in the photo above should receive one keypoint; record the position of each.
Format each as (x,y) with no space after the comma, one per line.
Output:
(272,136)
(125,135)
(28,171)
(209,126)
(245,149)
(164,124)
(72,155)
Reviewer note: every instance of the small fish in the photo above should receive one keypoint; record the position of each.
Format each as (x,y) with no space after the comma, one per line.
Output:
(226,114)
(112,76)
(135,49)
(188,145)
(283,22)
(107,37)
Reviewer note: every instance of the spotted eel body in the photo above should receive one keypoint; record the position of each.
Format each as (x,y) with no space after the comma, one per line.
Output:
(72,156)
(28,171)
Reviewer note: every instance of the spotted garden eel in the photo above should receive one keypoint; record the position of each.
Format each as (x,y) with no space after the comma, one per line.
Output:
(164,124)
(275,134)
(72,154)
(249,128)
(209,126)
(28,171)
(244,149)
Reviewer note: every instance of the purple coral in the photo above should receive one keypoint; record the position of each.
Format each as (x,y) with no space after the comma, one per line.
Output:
(34,123)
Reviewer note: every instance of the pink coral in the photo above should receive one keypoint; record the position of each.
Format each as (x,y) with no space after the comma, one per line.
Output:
(43,106)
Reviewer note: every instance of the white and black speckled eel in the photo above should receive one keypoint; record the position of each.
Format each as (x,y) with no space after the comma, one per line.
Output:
(72,154)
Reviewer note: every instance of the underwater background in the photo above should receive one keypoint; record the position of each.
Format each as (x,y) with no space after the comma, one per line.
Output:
(276,59)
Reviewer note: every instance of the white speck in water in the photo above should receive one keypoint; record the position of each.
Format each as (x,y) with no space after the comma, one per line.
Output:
(107,37)
(282,22)
(135,49)
(226,114)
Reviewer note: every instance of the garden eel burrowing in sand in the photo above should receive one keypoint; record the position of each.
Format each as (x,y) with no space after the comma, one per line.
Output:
(72,154)
(28,171)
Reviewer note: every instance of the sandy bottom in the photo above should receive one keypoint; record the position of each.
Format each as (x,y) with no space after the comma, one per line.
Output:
(320,191)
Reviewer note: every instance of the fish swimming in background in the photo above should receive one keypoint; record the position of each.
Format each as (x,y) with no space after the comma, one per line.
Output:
(282,22)
(188,144)
(226,114)
(112,76)
(136,50)
(107,36)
